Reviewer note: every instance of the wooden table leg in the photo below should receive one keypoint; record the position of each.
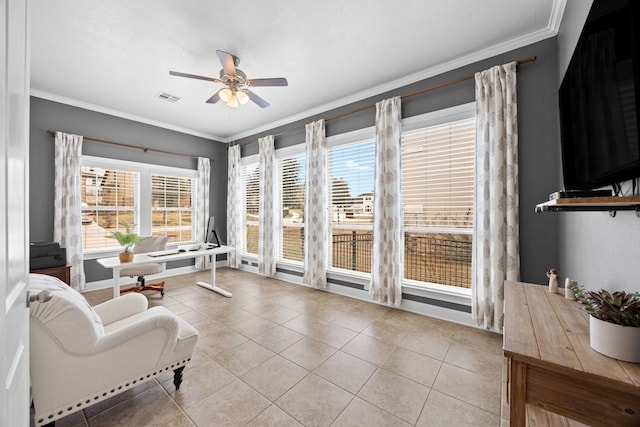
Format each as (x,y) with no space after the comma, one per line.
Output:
(517,394)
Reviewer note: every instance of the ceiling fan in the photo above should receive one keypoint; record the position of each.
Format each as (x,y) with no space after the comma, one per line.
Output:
(237,90)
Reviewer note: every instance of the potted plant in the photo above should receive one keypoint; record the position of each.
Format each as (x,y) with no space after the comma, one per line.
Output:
(127,240)
(614,322)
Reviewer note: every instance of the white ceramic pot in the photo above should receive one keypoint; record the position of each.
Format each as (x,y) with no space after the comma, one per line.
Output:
(619,342)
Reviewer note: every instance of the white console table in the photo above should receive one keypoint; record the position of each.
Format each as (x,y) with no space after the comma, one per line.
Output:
(138,259)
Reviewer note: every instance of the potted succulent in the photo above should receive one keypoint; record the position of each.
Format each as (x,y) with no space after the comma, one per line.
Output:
(127,240)
(614,322)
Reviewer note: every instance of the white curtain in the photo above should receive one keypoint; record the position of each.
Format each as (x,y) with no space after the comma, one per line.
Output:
(496,255)
(67,215)
(234,206)
(202,208)
(315,209)
(267,220)
(386,261)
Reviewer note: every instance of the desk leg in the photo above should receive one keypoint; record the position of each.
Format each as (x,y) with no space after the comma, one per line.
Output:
(212,286)
(517,394)
(116,283)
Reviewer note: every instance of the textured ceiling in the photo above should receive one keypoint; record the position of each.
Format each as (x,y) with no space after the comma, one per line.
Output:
(114,56)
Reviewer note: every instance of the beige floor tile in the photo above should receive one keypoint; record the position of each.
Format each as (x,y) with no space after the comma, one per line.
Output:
(354,321)
(445,411)
(273,417)
(278,338)
(426,344)
(346,371)
(414,366)
(280,314)
(474,359)
(395,394)
(244,357)
(470,387)
(234,405)
(361,413)
(333,335)
(221,340)
(118,399)
(201,377)
(253,327)
(274,377)
(490,342)
(308,353)
(314,401)
(369,349)
(150,408)
(386,332)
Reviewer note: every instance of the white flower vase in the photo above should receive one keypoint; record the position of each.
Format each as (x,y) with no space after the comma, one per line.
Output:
(617,341)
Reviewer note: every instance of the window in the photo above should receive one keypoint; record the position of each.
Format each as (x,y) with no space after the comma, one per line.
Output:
(251,186)
(157,200)
(351,168)
(172,207)
(438,192)
(291,178)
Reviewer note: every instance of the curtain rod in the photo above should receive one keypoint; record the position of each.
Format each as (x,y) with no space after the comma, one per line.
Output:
(406,95)
(122,144)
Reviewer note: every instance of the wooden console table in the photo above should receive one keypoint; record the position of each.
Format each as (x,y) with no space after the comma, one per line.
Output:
(63,272)
(552,366)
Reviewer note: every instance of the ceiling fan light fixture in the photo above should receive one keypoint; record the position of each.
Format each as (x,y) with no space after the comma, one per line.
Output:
(233,101)
(243,98)
(225,94)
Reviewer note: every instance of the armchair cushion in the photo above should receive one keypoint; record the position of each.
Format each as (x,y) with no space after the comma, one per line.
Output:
(120,308)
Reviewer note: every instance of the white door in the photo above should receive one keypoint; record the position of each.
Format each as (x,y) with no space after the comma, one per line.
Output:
(14,213)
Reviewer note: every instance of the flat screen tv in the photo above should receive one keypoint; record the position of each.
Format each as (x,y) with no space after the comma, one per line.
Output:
(599,99)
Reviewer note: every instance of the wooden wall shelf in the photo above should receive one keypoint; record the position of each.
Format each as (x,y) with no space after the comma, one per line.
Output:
(584,204)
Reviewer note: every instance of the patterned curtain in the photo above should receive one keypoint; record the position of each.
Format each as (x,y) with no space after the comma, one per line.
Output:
(496,255)
(234,206)
(267,220)
(315,208)
(67,221)
(202,209)
(386,261)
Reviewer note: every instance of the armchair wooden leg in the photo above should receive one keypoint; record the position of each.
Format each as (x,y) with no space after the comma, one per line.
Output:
(177,377)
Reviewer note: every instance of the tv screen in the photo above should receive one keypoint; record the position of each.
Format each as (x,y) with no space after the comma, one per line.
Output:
(599,98)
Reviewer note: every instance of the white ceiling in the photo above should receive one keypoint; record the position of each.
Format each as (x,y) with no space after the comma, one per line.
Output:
(114,56)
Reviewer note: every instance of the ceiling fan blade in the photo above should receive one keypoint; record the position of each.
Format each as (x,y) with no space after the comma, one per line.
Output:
(215,98)
(276,81)
(255,98)
(228,62)
(193,76)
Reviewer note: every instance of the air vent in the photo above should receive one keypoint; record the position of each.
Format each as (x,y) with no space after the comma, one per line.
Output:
(168,97)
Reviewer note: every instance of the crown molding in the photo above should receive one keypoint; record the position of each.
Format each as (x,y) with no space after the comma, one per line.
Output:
(104,110)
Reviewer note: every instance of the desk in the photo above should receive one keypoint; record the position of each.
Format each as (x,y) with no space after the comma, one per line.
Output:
(139,259)
(552,366)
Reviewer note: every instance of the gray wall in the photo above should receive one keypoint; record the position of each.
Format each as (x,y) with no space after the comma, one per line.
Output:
(49,115)
(538,140)
(596,250)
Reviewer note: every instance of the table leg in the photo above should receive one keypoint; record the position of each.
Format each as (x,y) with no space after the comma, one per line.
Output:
(116,283)
(517,393)
(212,286)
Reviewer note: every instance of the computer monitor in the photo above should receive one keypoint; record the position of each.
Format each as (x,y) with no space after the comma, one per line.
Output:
(211,237)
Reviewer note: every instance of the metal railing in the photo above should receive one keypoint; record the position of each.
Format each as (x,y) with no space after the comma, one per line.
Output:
(434,258)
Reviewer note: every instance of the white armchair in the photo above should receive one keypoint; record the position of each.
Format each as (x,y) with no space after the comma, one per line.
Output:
(81,355)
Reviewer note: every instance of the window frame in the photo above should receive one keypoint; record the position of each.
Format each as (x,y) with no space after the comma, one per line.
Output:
(143,208)
(422,121)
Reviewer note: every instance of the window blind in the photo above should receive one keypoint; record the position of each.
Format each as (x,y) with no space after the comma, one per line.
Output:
(172,207)
(438,175)
(251,185)
(291,178)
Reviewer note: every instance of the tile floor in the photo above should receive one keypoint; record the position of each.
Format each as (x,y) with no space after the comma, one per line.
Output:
(278,354)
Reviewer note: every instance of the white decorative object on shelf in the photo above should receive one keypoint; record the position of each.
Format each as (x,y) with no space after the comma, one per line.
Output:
(553,280)
(568,289)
